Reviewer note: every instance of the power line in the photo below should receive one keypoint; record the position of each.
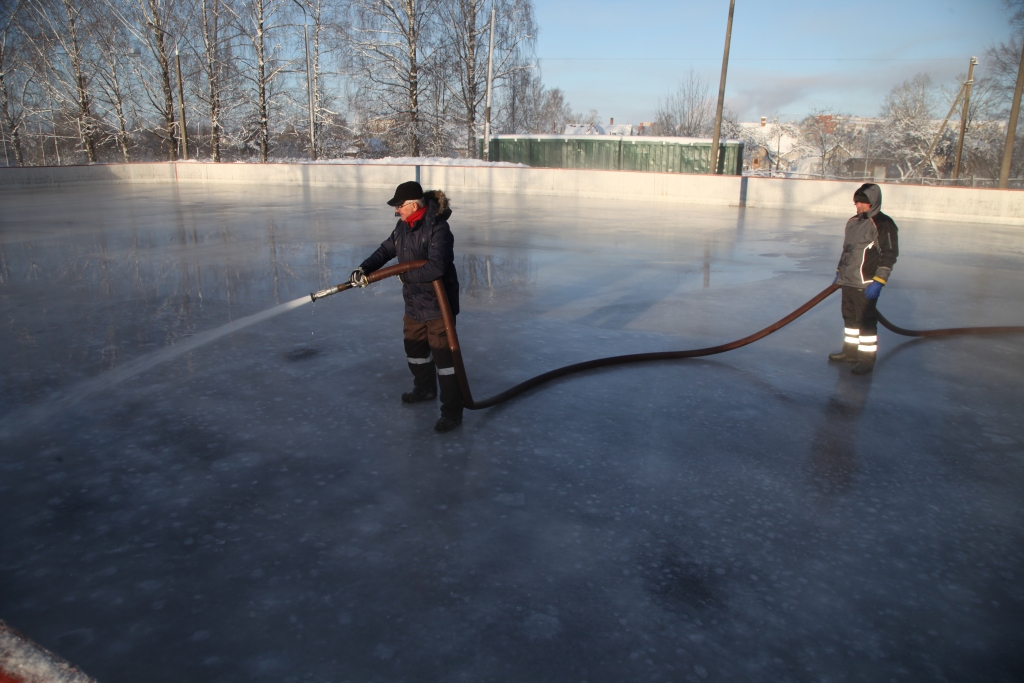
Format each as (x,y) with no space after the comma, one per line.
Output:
(752,59)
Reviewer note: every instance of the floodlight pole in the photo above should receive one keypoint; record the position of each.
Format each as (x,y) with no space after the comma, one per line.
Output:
(963,118)
(1011,128)
(487,110)
(721,93)
(309,84)
(181,105)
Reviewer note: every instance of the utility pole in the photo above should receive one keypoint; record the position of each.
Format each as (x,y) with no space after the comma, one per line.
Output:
(487,111)
(181,105)
(1011,128)
(721,93)
(309,84)
(963,118)
(935,141)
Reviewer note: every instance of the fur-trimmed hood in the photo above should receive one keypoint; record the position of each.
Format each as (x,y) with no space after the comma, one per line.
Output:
(438,198)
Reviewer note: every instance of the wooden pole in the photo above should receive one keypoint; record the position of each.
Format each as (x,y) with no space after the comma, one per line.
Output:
(1011,128)
(963,118)
(181,106)
(721,93)
(487,111)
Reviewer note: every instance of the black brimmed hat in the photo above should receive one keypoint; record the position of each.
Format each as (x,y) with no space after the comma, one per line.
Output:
(405,192)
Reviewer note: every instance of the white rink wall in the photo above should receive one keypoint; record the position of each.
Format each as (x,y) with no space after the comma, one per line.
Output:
(817,196)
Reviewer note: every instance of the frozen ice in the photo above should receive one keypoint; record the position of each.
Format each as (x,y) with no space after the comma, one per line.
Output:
(194,493)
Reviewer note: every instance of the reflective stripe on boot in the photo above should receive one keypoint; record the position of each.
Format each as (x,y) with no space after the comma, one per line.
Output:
(866,356)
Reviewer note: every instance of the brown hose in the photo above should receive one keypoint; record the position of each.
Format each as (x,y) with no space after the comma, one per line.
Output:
(948,331)
(467,395)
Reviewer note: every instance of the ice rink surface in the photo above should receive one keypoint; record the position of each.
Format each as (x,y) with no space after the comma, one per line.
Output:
(183,500)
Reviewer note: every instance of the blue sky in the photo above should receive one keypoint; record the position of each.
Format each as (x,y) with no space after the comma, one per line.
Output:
(787,56)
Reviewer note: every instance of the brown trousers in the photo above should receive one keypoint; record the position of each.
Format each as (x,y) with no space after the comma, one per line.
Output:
(426,346)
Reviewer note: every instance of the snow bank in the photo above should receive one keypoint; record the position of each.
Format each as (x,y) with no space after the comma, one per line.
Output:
(23,661)
(393,161)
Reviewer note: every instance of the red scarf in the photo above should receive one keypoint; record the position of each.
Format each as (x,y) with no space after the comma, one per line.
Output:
(411,220)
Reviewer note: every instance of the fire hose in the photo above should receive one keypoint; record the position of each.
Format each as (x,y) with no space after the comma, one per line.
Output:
(460,368)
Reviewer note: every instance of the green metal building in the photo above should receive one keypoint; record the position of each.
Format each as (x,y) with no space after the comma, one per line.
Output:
(616,153)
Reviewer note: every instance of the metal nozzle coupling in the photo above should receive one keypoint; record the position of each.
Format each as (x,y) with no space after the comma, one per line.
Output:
(330,290)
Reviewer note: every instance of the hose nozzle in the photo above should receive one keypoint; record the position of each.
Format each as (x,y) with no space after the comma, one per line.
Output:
(330,290)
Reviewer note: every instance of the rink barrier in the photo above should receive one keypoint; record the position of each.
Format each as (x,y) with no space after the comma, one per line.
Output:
(835,197)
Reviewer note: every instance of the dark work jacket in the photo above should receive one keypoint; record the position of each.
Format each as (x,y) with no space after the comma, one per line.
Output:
(870,245)
(429,238)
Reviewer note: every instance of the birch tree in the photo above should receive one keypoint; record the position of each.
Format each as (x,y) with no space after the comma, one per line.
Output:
(392,39)
(465,31)
(150,23)
(113,78)
(257,19)
(60,45)
(11,72)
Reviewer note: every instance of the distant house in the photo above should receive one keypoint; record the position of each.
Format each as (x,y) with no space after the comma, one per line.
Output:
(867,167)
(598,129)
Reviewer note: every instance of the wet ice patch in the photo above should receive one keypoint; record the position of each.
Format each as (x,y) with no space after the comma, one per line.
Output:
(542,627)
(512,500)
(301,353)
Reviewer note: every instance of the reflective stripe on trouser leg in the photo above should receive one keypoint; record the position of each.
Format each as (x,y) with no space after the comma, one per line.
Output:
(417,353)
(852,335)
(451,394)
(868,343)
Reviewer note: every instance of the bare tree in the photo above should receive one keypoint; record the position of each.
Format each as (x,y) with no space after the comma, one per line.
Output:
(113,78)
(392,40)
(10,63)
(908,130)
(60,44)
(826,135)
(214,60)
(773,137)
(689,111)
(257,19)
(150,23)
(465,27)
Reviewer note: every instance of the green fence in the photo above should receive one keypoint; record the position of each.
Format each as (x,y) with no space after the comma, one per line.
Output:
(616,153)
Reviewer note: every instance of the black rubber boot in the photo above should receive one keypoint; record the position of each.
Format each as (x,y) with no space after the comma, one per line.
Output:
(865,363)
(451,404)
(418,396)
(447,424)
(847,355)
(424,385)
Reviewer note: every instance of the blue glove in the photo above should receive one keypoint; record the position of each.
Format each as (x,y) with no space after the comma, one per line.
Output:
(836,278)
(873,290)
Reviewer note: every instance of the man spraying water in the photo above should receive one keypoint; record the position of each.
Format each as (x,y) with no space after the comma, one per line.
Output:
(422,232)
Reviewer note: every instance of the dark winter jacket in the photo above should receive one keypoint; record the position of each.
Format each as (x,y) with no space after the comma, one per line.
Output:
(871,244)
(429,238)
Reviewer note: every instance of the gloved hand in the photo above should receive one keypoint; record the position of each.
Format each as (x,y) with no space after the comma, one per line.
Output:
(358,278)
(873,290)
(836,278)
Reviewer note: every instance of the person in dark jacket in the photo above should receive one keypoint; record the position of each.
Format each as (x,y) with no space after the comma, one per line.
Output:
(869,254)
(422,232)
